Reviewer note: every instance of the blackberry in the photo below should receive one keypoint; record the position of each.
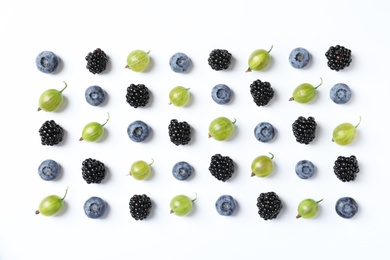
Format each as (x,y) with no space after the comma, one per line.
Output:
(96,61)
(219,59)
(346,168)
(93,171)
(140,206)
(51,133)
(179,132)
(338,57)
(221,167)
(261,92)
(137,95)
(304,129)
(269,205)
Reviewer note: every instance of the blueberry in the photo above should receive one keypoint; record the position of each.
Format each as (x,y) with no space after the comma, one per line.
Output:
(340,93)
(138,131)
(95,95)
(299,58)
(47,62)
(182,170)
(264,132)
(221,94)
(49,169)
(180,62)
(346,207)
(304,169)
(95,207)
(225,205)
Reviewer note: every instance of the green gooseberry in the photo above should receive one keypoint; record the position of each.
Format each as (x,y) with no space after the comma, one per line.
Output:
(51,99)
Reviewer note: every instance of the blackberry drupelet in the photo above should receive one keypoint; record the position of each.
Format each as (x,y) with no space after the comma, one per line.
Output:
(261,92)
(219,59)
(140,206)
(96,61)
(51,133)
(137,95)
(269,205)
(221,167)
(338,57)
(346,168)
(93,171)
(179,132)
(304,129)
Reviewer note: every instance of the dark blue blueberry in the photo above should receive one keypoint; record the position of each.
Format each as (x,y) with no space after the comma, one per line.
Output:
(346,207)
(299,58)
(304,169)
(95,207)
(180,62)
(95,95)
(138,131)
(225,205)
(264,132)
(221,94)
(340,93)
(182,171)
(49,169)
(47,61)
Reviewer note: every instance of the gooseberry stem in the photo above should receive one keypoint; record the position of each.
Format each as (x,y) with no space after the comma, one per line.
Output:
(196,196)
(66,192)
(150,164)
(319,84)
(272,46)
(271,155)
(360,119)
(64,87)
(108,118)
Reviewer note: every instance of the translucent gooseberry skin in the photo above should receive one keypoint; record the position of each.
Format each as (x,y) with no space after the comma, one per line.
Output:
(93,131)
(345,133)
(259,60)
(304,93)
(51,99)
(179,96)
(138,60)
(51,205)
(140,170)
(221,128)
(181,205)
(262,166)
(307,208)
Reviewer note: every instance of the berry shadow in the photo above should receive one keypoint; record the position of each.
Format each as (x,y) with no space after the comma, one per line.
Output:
(150,66)
(59,68)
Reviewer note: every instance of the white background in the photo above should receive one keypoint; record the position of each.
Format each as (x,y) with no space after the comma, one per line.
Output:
(165,27)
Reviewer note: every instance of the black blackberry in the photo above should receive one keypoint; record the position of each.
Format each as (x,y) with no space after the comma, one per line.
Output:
(140,206)
(261,92)
(51,133)
(346,168)
(137,95)
(219,59)
(93,171)
(304,129)
(96,61)
(221,167)
(179,132)
(338,57)
(269,205)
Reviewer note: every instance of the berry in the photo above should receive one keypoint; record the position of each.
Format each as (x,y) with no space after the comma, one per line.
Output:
(138,60)
(49,170)
(338,57)
(51,133)
(304,93)
(221,167)
(259,59)
(221,128)
(179,96)
(182,170)
(345,133)
(262,166)
(180,62)
(93,131)
(47,62)
(261,92)
(264,132)
(299,58)
(96,61)
(346,168)
(340,93)
(221,94)
(179,132)
(51,205)
(95,207)
(304,169)
(269,205)
(181,205)
(137,95)
(225,205)
(140,206)
(308,208)
(140,170)
(219,59)
(346,207)
(95,95)
(138,131)
(93,171)
(51,99)
(304,129)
